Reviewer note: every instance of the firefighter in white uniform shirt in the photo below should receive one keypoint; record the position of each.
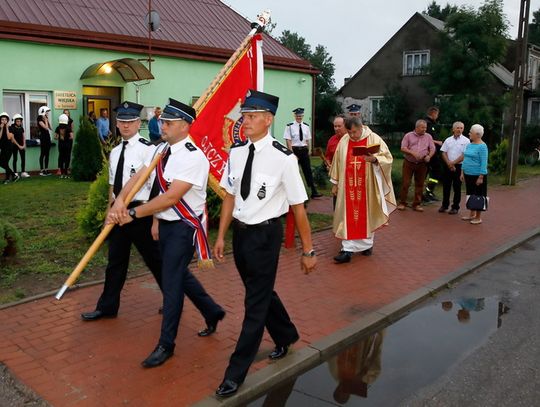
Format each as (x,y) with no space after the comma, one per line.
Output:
(261,182)
(297,136)
(124,161)
(178,205)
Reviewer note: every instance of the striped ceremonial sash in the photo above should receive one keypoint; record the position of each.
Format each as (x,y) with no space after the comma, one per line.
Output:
(189,217)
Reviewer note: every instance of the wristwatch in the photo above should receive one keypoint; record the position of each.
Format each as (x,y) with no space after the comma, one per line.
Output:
(133,213)
(311,253)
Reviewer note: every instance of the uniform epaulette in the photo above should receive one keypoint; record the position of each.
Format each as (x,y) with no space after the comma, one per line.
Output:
(305,124)
(190,147)
(144,141)
(288,124)
(281,148)
(240,144)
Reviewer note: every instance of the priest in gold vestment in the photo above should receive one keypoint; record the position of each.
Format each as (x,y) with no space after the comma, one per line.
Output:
(363,187)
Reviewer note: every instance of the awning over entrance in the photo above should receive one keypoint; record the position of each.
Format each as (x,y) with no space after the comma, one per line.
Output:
(129,69)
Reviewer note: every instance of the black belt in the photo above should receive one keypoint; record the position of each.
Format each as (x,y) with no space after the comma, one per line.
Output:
(299,148)
(242,225)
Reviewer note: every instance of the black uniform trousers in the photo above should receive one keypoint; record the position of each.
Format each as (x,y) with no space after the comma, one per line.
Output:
(176,243)
(45,148)
(5,156)
(120,240)
(302,153)
(451,181)
(256,254)
(16,153)
(64,155)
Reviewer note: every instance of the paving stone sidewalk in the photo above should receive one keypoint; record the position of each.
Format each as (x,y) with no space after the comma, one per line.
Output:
(69,362)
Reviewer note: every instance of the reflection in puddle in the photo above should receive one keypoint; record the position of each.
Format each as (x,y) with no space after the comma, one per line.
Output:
(390,365)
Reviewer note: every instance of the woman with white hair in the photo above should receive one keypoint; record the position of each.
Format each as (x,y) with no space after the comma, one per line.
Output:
(474,170)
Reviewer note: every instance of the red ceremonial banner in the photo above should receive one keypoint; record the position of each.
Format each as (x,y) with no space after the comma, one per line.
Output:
(219,122)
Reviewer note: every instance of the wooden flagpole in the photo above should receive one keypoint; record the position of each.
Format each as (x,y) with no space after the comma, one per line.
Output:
(256,26)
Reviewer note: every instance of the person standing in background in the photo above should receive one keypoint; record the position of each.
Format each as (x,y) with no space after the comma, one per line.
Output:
(103,125)
(154,127)
(19,144)
(6,139)
(297,136)
(44,135)
(64,135)
(474,170)
(452,155)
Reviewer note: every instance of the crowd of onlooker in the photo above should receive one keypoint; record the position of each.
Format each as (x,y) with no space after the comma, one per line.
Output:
(451,162)
(13,144)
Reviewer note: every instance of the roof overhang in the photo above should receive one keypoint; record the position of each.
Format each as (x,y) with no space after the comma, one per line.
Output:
(129,69)
(126,44)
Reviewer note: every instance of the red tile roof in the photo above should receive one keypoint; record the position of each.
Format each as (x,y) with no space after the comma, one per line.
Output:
(199,29)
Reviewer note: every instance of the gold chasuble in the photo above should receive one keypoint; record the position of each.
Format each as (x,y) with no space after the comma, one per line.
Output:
(365,195)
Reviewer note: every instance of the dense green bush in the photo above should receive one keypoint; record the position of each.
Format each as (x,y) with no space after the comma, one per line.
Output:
(497,158)
(87,153)
(92,215)
(213,206)
(320,176)
(10,239)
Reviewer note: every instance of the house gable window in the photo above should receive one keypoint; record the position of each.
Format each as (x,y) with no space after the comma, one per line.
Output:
(374,108)
(415,62)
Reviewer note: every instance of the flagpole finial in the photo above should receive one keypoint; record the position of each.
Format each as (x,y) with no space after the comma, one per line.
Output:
(262,19)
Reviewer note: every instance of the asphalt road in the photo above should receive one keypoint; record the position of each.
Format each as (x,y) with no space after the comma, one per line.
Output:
(504,370)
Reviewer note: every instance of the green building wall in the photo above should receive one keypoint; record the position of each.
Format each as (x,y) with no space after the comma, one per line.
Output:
(45,68)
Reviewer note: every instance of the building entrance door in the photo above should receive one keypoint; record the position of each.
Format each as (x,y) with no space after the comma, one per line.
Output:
(97,99)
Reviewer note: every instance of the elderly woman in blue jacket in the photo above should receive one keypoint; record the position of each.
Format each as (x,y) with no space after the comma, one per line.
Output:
(474,169)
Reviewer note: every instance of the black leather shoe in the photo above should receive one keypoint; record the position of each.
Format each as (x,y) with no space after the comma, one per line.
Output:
(211,326)
(442,209)
(316,195)
(343,257)
(368,252)
(157,357)
(279,352)
(95,315)
(453,212)
(227,388)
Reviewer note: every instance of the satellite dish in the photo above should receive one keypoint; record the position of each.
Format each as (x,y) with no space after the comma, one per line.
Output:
(152,20)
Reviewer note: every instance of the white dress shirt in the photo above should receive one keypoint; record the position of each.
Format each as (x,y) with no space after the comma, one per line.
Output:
(454,147)
(138,151)
(292,132)
(275,181)
(186,163)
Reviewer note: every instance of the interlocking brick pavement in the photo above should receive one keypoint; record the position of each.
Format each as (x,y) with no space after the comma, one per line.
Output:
(69,362)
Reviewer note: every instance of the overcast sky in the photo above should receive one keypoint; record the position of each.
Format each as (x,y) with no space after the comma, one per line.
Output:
(363,26)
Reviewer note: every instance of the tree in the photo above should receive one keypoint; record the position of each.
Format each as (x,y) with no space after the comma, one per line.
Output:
(471,42)
(87,153)
(434,10)
(326,106)
(394,112)
(534,29)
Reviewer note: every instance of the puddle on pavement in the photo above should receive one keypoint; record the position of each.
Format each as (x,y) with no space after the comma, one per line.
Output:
(390,365)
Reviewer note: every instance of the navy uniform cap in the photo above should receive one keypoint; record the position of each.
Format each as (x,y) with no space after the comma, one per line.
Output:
(128,111)
(299,111)
(353,108)
(259,102)
(176,110)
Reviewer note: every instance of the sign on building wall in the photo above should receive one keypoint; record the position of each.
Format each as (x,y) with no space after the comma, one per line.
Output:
(65,99)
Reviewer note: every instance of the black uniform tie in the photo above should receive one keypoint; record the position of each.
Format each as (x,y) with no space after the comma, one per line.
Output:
(155,186)
(246,176)
(118,176)
(300,132)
